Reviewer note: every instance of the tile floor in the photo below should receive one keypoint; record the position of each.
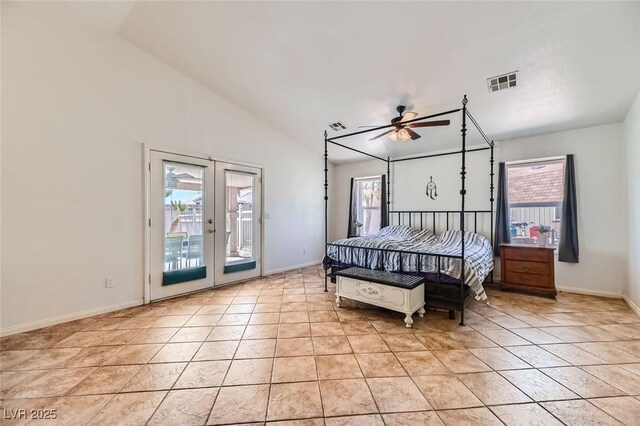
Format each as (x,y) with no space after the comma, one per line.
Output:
(277,351)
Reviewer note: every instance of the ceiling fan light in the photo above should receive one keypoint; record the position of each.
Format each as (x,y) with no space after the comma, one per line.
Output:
(403,135)
(394,136)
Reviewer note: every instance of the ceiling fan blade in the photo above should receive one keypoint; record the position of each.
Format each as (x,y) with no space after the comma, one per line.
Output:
(364,127)
(413,134)
(382,134)
(409,116)
(430,123)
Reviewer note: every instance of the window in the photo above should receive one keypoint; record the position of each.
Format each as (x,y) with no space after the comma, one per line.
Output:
(367,199)
(535,193)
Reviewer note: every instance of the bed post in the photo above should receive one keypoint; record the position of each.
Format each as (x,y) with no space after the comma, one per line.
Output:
(463,192)
(491,199)
(326,203)
(388,190)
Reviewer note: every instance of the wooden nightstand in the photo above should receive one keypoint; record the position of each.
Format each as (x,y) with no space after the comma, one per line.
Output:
(528,267)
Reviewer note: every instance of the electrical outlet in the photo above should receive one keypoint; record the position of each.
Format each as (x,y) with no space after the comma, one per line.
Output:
(267,216)
(110,282)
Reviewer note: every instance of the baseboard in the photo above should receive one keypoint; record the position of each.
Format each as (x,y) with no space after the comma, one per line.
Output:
(632,305)
(589,292)
(66,318)
(291,268)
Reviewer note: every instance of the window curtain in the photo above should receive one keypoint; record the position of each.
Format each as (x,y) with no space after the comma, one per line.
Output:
(353,211)
(502,211)
(569,250)
(384,211)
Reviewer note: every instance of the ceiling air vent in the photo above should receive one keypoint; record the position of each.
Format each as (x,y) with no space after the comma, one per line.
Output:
(504,81)
(337,126)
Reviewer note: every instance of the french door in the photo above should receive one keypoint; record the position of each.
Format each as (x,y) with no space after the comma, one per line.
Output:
(204,224)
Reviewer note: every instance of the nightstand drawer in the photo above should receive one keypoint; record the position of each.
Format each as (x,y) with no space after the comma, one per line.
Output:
(528,279)
(526,254)
(527,267)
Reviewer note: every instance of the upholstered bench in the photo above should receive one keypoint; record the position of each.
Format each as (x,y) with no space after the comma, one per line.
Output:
(395,291)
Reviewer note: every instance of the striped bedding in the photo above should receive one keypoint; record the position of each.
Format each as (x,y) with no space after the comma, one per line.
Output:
(478,253)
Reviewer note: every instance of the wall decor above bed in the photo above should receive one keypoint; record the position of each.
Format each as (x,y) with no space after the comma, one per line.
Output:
(454,264)
(432,189)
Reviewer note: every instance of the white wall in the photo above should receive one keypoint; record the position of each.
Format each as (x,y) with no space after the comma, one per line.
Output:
(601,190)
(77,105)
(631,136)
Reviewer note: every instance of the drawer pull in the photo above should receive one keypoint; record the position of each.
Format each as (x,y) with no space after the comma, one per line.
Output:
(525,268)
(369,291)
(526,254)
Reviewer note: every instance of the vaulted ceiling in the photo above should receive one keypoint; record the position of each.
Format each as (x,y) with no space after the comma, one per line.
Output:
(301,65)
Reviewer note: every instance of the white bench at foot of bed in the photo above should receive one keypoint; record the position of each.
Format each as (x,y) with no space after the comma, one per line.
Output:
(395,291)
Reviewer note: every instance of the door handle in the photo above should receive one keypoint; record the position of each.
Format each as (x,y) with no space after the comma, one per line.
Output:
(211,231)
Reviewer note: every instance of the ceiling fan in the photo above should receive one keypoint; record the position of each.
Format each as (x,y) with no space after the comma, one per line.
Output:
(402,132)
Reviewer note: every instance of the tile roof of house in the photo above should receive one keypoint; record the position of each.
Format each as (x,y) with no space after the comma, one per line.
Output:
(536,184)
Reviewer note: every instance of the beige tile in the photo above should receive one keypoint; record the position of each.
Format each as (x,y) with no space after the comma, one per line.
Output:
(445,391)
(524,415)
(425,418)
(294,347)
(264,331)
(294,317)
(362,420)
(421,363)
(435,341)
(471,340)
(9,359)
(11,381)
(617,376)
(537,357)
(134,354)
(397,394)
(155,377)
(337,367)
(505,338)
(171,321)
(191,334)
(213,351)
(240,404)
(579,413)
(249,372)
(265,318)
(499,359)
(176,352)
(129,408)
(52,383)
(294,401)
(461,361)
(368,343)
(74,410)
(185,407)
(353,328)
(227,332)
(346,397)
(331,345)
(581,382)
(609,353)
(537,336)
(380,365)
(240,309)
(294,369)
(538,386)
(48,358)
(394,326)
(323,316)
(155,335)
(493,389)
(326,329)
(624,409)
(260,348)
(108,379)
(203,374)
(203,321)
(403,342)
(287,331)
(213,309)
(469,417)
(573,354)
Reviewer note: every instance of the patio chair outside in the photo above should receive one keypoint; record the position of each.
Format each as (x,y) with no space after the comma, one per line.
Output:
(194,250)
(173,252)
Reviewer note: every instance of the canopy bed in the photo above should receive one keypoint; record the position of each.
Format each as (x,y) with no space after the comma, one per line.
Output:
(451,263)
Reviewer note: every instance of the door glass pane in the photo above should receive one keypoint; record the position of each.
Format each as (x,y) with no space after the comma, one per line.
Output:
(183,211)
(239,220)
(368,194)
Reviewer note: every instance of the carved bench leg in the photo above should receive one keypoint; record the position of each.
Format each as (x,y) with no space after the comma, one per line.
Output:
(338,301)
(421,312)
(408,320)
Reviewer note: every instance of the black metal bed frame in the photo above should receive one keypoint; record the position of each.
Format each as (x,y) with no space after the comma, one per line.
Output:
(436,297)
